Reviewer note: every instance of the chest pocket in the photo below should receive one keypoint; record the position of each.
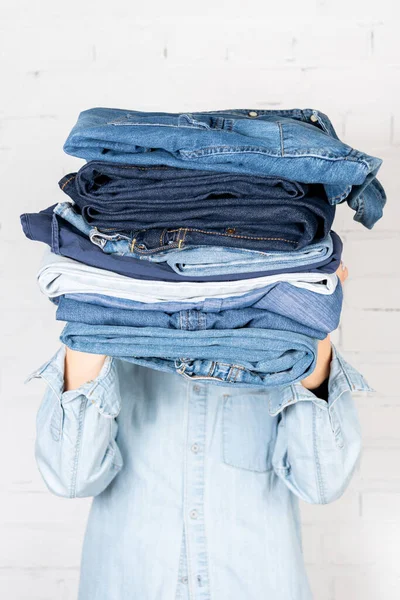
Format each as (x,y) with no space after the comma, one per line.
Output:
(248,431)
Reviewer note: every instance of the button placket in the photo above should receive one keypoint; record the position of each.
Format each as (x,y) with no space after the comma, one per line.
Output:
(196,546)
(182,592)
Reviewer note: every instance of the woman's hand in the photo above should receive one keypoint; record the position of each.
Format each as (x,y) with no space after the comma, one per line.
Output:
(81,367)
(324,357)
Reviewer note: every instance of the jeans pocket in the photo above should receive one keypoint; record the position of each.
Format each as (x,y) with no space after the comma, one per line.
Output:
(248,431)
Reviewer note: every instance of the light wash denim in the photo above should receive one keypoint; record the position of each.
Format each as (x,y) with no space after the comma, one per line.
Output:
(299,145)
(281,307)
(240,357)
(58,276)
(203,260)
(195,486)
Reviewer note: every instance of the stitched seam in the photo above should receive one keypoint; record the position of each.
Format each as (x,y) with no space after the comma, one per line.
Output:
(281,138)
(243,237)
(77,449)
(128,123)
(343,195)
(316,457)
(225,150)
(344,372)
(66,182)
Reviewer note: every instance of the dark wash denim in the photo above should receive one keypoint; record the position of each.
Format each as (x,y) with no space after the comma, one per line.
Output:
(241,357)
(64,239)
(288,309)
(276,213)
(300,145)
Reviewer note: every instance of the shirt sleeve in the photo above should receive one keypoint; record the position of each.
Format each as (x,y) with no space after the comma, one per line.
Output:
(318,442)
(75,448)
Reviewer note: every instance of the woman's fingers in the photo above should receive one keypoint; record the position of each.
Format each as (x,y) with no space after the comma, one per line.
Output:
(342,272)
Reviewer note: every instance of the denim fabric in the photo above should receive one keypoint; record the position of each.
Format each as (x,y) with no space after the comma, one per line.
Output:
(300,145)
(66,240)
(206,261)
(282,307)
(203,443)
(322,257)
(240,210)
(58,276)
(243,357)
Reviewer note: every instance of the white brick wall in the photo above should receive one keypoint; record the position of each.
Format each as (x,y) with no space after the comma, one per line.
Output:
(340,57)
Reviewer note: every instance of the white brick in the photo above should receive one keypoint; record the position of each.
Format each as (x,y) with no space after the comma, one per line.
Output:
(381,371)
(380,464)
(321,582)
(368,584)
(370,331)
(372,294)
(385,42)
(39,584)
(320,47)
(378,130)
(379,422)
(378,506)
(372,544)
(44,508)
(366,253)
(33,547)
(345,509)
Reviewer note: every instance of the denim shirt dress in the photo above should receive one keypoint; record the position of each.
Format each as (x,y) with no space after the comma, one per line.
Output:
(195,486)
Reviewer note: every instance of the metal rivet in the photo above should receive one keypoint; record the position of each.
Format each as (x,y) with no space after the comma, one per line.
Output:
(195,448)
(193,514)
(196,388)
(314,118)
(230,230)
(253,113)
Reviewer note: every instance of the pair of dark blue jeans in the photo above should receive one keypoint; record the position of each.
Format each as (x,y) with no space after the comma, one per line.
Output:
(229,209)
(66,240)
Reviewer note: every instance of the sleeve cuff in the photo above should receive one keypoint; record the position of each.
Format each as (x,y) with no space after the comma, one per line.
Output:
(100,391)
(342,378)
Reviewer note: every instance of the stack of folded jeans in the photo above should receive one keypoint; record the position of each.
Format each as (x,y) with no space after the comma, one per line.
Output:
(201,243)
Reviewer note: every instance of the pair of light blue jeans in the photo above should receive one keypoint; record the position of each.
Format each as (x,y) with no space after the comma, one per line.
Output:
(243,357)
(281,307)
(299,145)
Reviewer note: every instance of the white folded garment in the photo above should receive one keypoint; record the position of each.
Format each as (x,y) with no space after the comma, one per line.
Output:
(59,275)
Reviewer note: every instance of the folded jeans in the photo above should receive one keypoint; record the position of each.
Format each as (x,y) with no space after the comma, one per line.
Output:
(204,261)
(282,307)
(242,357)
(236,209)
(58,276)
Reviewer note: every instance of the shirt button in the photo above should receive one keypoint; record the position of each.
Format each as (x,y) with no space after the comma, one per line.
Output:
(314,118)
(253,113)
(193,514)
(184,579)
(195,448)
(196,388)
